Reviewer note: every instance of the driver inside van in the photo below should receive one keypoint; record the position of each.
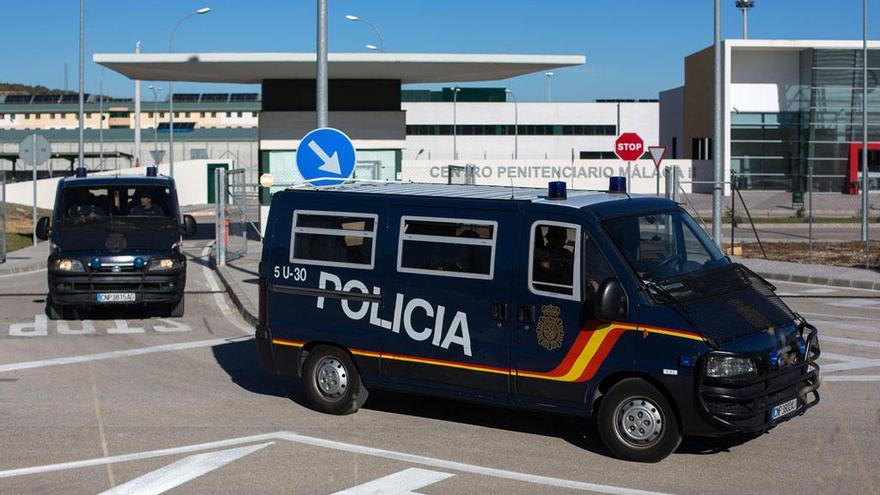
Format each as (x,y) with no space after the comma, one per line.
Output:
(553,261)
(84,206)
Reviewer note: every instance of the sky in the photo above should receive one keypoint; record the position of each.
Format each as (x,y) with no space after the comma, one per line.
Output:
(634,48)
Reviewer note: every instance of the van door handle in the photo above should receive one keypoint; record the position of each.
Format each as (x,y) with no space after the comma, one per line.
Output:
(525,313)
(499,311)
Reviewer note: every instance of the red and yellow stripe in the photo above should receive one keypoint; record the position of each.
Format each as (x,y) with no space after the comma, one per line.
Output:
(580,364)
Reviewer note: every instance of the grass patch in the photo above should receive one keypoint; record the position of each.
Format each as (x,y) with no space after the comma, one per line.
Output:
(15,241)
(848,254)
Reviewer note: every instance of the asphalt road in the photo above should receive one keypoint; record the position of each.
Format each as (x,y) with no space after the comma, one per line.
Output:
(146,405)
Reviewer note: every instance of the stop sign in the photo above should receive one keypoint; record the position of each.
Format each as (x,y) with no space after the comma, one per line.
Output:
(629,146)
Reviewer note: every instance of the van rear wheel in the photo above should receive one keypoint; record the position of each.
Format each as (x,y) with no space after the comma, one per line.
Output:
(332,383)
(637,423)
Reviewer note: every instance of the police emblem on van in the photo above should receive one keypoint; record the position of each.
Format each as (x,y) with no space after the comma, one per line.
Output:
(115,242)
(550,331)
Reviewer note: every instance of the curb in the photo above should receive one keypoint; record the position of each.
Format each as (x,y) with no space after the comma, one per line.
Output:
(236,300)
(833,282)
(24,268)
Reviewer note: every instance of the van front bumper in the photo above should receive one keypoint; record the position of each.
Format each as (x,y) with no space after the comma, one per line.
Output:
(82,289)
(746,404)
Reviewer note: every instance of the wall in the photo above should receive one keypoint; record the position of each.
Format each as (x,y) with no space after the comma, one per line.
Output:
(699,101)
(672,121)
(760,80)
(639,117)
(588,174)
(191,178)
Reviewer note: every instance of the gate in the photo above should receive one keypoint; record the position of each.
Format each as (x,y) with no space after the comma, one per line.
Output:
(237,203)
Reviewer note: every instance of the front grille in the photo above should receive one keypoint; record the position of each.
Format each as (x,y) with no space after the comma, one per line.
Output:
(744,404)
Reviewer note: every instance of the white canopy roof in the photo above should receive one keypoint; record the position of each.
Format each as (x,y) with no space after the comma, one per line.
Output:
(253,68)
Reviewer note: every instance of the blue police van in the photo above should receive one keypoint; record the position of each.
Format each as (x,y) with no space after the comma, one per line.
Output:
(591,303)
(115,241)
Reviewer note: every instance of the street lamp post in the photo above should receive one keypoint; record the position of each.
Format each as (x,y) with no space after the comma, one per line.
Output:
(744,6)
(155,90)
(865,129)
(455,91)
(355,18)
(515,124)
(549,75)
(203,10)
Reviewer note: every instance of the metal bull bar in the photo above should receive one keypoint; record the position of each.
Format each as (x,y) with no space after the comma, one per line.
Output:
(233,221)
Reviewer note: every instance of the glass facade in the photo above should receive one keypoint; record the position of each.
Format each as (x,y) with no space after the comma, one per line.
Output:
(819,121)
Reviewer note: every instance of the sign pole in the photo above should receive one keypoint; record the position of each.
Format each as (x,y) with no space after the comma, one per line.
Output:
(34,217)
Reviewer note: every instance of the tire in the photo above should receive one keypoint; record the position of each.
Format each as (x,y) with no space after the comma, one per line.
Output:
(54,311)
(176,309)
(637,423)
(332,383)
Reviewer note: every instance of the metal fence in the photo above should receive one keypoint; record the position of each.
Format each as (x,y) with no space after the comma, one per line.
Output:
(237,208)
(2,217)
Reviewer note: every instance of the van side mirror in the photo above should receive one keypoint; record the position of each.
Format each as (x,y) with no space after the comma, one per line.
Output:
(42,229)
(610,302)
(189,226)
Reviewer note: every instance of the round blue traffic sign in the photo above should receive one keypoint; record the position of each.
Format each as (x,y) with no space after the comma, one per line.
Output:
(325,157)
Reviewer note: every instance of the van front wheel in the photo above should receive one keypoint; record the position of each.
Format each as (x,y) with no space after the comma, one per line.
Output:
(332,384)
(637,423)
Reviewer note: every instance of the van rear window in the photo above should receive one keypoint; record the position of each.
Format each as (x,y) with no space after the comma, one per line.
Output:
(333,239)
(447,247)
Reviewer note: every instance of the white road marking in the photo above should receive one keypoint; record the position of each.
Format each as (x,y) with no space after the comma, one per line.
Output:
(117,354)
(186,469)
(171,326)
(838,317)
(341,446)
(211,279)
(121,328)
(40,328)
(9,275)
(820,290)
(836,325)
(846,363)
(874,344)
(402,483)
(786,294)
(852,378)
(854,303)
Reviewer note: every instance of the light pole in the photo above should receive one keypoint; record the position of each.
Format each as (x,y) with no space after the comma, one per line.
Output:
(865,129)
(81,99)
(455,91)
(718,145)
(321,83)
(371,47)
(515,124)
(203,10)
(155,90)
(549,75)
(355,18)
(744,6)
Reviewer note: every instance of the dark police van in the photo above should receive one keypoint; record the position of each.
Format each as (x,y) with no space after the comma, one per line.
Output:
(115,241)
(596,304)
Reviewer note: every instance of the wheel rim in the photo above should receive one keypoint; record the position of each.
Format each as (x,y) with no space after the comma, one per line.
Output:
(638,422)
(331,378)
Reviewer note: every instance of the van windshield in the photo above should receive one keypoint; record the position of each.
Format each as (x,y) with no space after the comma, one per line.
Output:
(127,204)
(663,244)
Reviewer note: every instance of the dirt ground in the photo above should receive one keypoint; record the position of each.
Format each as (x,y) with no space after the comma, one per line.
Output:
(849,254)
(19,220)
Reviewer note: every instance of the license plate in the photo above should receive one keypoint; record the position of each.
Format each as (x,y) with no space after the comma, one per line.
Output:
(104,297)
(783,409)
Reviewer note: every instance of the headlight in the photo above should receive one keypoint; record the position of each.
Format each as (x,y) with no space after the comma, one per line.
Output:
(68,265)
(720,366)
(162,264)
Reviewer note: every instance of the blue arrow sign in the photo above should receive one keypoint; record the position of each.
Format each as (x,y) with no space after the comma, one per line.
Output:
(325,157)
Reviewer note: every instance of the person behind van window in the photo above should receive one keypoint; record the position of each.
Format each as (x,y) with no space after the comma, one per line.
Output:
(84,206)
(146,206)
(553,260)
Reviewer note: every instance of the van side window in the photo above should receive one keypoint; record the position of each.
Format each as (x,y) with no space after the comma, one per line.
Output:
(333,239)
(554,265)
(447,247)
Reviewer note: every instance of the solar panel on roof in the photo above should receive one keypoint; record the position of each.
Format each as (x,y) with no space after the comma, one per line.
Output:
(215,97)
(18,99)
(50,98)
(243,97)
(69,98)
(186,97)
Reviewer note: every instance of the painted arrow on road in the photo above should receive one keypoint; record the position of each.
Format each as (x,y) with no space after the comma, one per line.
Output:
(402,483)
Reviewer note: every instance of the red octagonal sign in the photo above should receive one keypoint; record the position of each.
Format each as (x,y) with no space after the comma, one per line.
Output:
(629,146)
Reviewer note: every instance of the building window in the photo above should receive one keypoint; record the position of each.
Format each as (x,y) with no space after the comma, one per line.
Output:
(447,247)
(239,114)
(213,114)
(333,239)
(674,148)
(597,155)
